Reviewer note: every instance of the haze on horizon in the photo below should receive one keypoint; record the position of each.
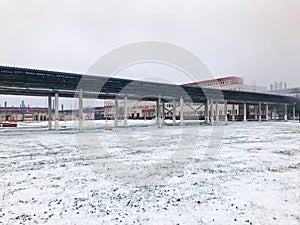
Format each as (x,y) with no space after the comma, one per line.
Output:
(257,40)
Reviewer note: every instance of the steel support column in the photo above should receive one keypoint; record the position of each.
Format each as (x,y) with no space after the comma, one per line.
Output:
(125,112)
(156,112)
(23,110)
(159,111)
(163,111)
(80,110)
(217,111)
(206,111)
(294,112)
(225,111)
(56,111)
(245,112)
(116,114)
(267,112)
(233,112)
(255,112)
(49,113)
(181,111)
(174,112)
(285,112)
(212,111)
(259,111)
(275,112)
(5,109)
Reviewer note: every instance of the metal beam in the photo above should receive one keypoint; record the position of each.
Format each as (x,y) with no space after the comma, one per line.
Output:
(259,111)
(125,112)
(226,112)
(285,112)
(80,110)
(233,112)
(267,112)
(294,112)
(163,111)
(159,111)
(174,111)
(116,115)
(56,111)
(245,112)
(181,111)
(206,111)
(255,112)
(49,113)
(211,111)
(217,111)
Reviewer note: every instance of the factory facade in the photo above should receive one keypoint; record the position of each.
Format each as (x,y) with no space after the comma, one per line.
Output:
(29,114)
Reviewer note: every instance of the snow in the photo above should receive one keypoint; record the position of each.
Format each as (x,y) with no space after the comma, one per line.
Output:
(242,173)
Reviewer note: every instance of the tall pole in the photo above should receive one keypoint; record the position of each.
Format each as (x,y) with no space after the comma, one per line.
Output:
(23,110)
(156,112)
(5,108)
(255,112)
(285,112)
(116,112)
(163,111)
(125,112)
(56,111)
(267,112)
(174,112)
(181,111)
(275,112)
(212,111)
(62,111)
(225,111)
(49,113)
(159,111)
(206,113)
(294,112)
(80,110)
(259,111)
(245,112)
(217,111)
(233,112)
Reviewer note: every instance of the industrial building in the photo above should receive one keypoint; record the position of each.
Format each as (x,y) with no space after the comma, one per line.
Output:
(29,114)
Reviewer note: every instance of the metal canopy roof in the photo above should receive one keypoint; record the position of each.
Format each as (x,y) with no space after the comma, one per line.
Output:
(34,82)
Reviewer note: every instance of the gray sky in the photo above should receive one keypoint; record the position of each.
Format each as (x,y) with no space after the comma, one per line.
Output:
(256,39)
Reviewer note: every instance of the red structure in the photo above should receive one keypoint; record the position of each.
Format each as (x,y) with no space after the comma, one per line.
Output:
(218,82)
(15,114)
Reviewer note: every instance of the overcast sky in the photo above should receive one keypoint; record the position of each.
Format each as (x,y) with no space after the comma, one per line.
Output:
(256,39)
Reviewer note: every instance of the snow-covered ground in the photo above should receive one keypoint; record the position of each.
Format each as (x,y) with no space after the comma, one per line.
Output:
(242,173)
